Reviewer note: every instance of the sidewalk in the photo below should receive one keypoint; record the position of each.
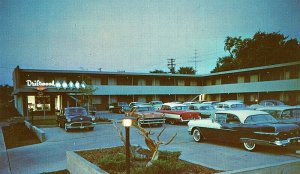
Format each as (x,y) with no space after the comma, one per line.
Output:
(4,162)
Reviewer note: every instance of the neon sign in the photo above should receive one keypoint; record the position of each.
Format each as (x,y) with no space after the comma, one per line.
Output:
(36,83)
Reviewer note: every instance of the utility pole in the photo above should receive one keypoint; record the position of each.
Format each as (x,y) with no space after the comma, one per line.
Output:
(171,65)
(195,60)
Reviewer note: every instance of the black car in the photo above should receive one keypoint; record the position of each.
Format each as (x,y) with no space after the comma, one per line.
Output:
(75,118)
(248,127)
(119,107)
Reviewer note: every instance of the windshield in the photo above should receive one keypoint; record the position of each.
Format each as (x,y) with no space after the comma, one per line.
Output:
(123,104)
(180,108)
(261,118)
(76,111)
(142,109)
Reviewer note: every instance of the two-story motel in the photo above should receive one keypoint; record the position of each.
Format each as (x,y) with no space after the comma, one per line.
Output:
(42,92)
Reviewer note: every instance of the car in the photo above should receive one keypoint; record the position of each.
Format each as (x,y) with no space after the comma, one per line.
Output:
(205,110)
(119,107)
(248,127)
(132,104)
(178,113)
(156,104)
(230,105)
(285,114)
(189,103)
(213,103)
(267,103)
(75,118)
(146,115)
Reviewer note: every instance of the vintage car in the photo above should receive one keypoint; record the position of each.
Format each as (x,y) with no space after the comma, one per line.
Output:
(205,110)
(285,114)
(189,103)
(213,103)
(227,105)
(156,104)
(146,115)
(178,113)
(119,107)
(267,103)
(132,104)
(75,118)
(249,127)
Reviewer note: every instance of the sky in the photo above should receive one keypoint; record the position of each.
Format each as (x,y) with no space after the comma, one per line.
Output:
(132,35)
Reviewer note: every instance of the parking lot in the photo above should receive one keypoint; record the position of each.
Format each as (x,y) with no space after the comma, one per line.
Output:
(50,155)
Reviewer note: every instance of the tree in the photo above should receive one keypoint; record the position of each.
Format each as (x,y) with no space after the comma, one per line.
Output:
(7,108)
(260,50)
(158,71)
(186,70)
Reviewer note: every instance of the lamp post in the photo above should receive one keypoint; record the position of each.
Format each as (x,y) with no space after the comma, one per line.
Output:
(127,123)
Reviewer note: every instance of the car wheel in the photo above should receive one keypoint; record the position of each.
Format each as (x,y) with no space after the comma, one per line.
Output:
(60,124)
(91,128)
(172,121)
(250,146)
(197,135)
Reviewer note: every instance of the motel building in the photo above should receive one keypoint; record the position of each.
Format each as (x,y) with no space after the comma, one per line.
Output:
(39,92)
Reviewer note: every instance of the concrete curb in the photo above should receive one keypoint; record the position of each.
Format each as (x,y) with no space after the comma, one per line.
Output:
(40,133)
(78,165)
(4,164)
(287,167)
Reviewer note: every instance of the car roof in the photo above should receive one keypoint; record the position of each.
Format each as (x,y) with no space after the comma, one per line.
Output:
(230,102)
(173,104)
(242,114)
(278,108)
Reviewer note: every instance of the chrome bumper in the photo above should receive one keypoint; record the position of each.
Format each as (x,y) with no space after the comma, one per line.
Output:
(273,143)
(80,125)
(152,121)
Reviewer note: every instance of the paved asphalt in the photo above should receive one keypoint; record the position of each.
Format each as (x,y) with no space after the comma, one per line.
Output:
(50,155)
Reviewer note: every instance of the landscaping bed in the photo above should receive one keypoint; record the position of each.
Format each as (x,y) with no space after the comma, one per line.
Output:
(112,160)
(17,135)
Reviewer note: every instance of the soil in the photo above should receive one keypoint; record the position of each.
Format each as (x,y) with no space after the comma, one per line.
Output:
(17,135)
(94,155)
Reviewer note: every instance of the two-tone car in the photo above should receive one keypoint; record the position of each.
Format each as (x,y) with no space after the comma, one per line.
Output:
(119,107)
(146,115)
(178,113)
(205,110)
(248,127)
(75,118)
(285,114)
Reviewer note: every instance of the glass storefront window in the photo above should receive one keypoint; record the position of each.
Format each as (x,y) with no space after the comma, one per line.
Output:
(39,103)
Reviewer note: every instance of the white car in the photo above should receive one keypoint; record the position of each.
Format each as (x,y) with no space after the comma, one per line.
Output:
(205,110)
(248,127)
(156,104)
(230,105)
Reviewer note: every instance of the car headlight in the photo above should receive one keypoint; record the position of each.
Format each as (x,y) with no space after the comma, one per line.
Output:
(69,120)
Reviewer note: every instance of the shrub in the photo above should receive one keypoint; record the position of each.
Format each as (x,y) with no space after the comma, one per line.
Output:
(167,155)
(116,160)
(162,167)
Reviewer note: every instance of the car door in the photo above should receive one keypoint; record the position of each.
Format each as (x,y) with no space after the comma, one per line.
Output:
(230,128)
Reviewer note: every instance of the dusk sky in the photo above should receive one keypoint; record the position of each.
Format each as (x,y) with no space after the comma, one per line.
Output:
(132,35)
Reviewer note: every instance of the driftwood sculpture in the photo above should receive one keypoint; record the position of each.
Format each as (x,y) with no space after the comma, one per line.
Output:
(152,144)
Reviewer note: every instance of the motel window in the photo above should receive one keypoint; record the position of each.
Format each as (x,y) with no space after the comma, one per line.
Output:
(38,103)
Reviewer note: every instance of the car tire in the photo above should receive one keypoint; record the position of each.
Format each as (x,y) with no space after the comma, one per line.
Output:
(172,121)
(197,136)
(91,128)
(249,146)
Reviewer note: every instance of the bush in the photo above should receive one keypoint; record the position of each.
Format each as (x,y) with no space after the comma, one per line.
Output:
(162,167)
(118,161)
(167,155)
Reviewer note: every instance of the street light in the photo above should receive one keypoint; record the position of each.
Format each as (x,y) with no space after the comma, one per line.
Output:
(127,123)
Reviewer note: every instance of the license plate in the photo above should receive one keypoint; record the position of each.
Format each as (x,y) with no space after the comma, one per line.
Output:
(81,127)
